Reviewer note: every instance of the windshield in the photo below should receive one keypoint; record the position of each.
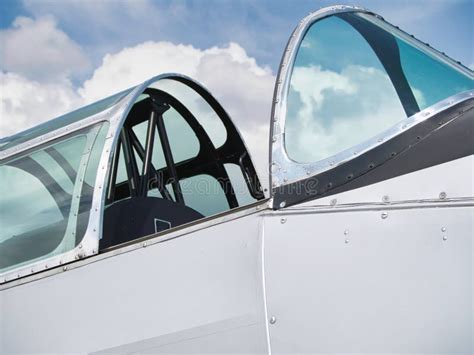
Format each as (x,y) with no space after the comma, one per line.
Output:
(46,196)
(355,76)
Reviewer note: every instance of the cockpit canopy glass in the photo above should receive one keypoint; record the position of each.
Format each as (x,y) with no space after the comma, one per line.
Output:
(355,76)
(46,197)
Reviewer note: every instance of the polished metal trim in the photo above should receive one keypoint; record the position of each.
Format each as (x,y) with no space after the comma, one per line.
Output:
(284,170)
(374,206)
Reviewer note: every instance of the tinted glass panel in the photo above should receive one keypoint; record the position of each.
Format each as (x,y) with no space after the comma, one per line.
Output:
(204,194)
(353,77)
(183,141)
(430,78)
(340,94)
(46,197)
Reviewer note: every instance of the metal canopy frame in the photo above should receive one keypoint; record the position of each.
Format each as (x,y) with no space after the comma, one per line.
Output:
(115,116)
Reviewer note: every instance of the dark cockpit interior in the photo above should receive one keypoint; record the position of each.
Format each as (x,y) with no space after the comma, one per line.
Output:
(167,170)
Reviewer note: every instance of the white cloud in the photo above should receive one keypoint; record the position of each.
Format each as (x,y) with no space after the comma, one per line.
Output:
(38,50)
(25,103)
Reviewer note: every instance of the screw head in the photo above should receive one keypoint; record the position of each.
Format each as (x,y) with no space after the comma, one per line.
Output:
(333,202)
(442,195)
(445,238)
(283,220)
(282,204)
(384,215)
(386,199)
(273,320)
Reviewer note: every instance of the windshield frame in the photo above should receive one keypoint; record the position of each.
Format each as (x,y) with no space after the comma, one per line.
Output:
(283,169)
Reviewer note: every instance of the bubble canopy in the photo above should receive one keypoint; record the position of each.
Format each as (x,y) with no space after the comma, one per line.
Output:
(54,176)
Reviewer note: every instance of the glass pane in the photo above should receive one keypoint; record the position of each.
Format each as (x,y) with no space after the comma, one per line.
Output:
(431,78)
(200,109)
(238,183)
(183,141)
(39,216)
(355,76)
(340,94)
(204,194)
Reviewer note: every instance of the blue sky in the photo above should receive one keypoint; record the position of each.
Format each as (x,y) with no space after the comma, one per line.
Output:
(260,27)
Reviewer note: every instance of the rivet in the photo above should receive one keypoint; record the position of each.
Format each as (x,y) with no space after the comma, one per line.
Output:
(282,204)
(273,320)
(346,241)
(445,237)
(144,244)
(285,180)
(346,232)
(333,202)
(308,172)
(65,268)
(442,195)
(80,246)
(283,220)
(384,215)
(386,199)
(443,229)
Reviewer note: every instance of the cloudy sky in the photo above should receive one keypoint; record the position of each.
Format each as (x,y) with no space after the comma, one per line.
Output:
(56,55)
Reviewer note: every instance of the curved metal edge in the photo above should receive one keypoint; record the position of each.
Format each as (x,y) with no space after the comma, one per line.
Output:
(116,117)
(284,170)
